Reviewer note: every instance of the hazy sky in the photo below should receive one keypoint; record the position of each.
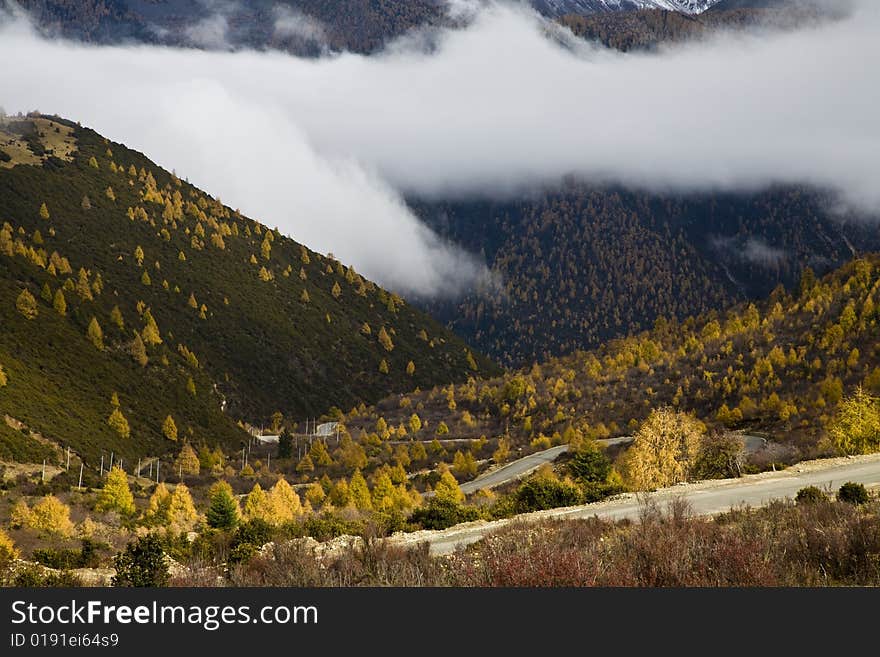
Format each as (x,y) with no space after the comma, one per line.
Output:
(324,148)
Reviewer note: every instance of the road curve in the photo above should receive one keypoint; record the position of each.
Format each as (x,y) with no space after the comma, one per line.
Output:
(527,464)
(513,470)
(705,498)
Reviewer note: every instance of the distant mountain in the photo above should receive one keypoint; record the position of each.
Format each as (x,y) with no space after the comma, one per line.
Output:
(305,27)
(557,8)
(118,277)
(302,27)
(582,265)
(779,365)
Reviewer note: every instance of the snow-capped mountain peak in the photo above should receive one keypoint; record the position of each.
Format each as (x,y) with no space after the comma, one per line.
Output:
(561,7)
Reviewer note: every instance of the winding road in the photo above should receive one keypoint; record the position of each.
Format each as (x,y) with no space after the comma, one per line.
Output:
(521,467)
(705,498)
(513,470)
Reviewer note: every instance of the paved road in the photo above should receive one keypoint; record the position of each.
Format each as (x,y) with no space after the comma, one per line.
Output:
(525,465)
(513,470)
(705,498)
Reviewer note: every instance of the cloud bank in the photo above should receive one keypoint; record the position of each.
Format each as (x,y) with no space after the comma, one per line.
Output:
(324,148)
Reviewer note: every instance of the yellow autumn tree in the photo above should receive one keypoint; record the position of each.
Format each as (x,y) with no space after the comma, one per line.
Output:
(385,339)
(8,551)
(138,350)
(447,488)
(52,516)
(663,451)
(359,492)
(182,514)
(118,423)
(258,505)
(169,428)
(187,462)
(59,303)
(157,508)
(27,305)
(116,495)
(285,502)
(95,334)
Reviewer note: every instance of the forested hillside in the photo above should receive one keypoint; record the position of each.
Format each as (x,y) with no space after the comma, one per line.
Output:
(303,27)
(780,366)
(119,281)
(310,27)
(651,28)
(585,265)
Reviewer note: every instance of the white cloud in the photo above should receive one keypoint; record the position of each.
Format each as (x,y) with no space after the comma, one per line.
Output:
(183,110)
(322,148)
(210,32)
(292,23)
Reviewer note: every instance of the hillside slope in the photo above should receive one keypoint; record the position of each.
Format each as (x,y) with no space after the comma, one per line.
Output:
(780,366)
(248,319)
(583,265)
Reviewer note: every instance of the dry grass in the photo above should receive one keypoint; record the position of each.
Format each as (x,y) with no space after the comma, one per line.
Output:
(57,139)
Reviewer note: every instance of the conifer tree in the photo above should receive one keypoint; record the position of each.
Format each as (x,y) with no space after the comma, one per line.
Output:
(187,461)
(169,428)
(319,454)
(138,350)
(447,488)
(44,211)
(119,424)
(4,379)
(116,495)
(59,303)
(182,514)
(359,492)
(410,368)
(415,423)
(46,293)
(52,516)
(116,318)
(157,508)
(95,334)
(285,502)
(315,495)
(223,512)
(305,464)
(385,339)
(150,333)
(383,494)
(8,551)
(258,506)
(336,291)
(27,305)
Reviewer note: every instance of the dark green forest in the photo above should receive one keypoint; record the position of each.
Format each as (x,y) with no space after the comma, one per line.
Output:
(583,265)
(144,286)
